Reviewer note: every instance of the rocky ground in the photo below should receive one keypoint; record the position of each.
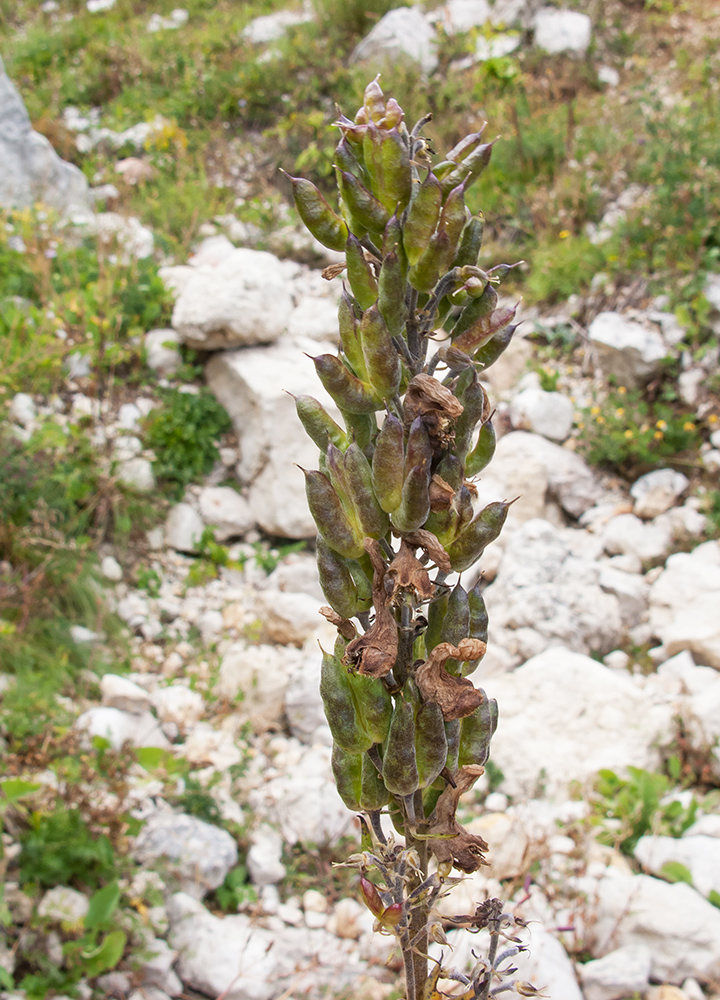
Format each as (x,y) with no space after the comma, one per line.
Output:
(208,761)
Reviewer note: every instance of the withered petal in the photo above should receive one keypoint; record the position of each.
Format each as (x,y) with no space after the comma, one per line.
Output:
(344,626)
(409,573)
(456,696)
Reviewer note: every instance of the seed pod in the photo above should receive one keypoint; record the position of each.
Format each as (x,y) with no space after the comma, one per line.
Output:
(418,452)
(489,354)
(387,464)
(381,358)
(360,275)
(393,243)
(400,772)
(324,224)
(370,516)
(422,218)
(476,731)
(485,528)
(373,705)
(388,163)
(347,771)
(330,517)
(373,793)
(339,707)
(484,330)
(415,503)
(469,169)
(478,625)
(436,611)
(318,423)
(456,623)
(337,581)
(470,243)
(453,216)
(483,451)
(391,294)
(362,584)
(474,400)
(452,735)
(475,311)
(465,509)
(361,204)
(374,101)
(435,261)
(350,336)
(348,391)
(430,743)
(466,145)
(348,157)
(362,427)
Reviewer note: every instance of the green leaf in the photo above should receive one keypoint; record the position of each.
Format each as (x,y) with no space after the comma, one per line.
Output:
(714,898)
(675,871)
(151,758)
(107,955)
(6,980)
(102,906)
(15,788)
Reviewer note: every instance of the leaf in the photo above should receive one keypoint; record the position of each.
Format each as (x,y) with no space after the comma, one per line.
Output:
(151,758)
(15,788)
(107,955)
(675,871)
(102,906)
(6,980)
(714,898)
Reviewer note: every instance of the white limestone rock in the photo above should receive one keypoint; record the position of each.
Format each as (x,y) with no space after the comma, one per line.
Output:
(253,386)
(178,704)
(161,351)
(119,692)
(631,591)
(564,716)
(289,619)
(31,169)
(119,727)
(657,491)
(270,27)
(547,413)
(184,529)
(679,927)
(198,854)
(111,569)
(699,854)
(65,906)
(562,31)
(626,534)
(621,973)
(684,603)
(264,858)
(303,704)
(156,968)
(22,410)
(176,19)
(548,592)
(244,300)
(402,33)
(463,15)
(258,677)
(137,473)
(625,349)
(225,511)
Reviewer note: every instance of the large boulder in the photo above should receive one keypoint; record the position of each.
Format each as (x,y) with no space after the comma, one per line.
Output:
(562,31)
(254,386)
(198,854)
(403,32)
(31,170)
(684,603)
(626,350)
(245,299)
(564,716)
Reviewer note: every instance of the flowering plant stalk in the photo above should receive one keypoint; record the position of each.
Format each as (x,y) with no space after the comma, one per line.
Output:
(393,502)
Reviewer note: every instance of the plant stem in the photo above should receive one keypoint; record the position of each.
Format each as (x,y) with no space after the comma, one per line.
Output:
(415,958)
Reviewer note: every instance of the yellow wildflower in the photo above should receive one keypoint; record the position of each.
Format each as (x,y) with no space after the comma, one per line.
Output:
(713,418)
(564,233)
(622,390)
(628,434)
(594,411)
(658,435)
(600,419)
(661,425)
(620,411)
(688,425)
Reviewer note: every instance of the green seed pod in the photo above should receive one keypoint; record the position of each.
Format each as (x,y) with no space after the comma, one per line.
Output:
(381,358)
(388,163)
(476,731)
(324,224)
(422,218)
(485,330)
(387,464)
(393,243)
(470,244)
(466,146)
(483,451)
(374,101)
(435,261)
(348,391)
(348,157)
(478,627)
(373,793)
(489,354)
(336,581)
(362,427)
(391,294)
(465,509)
(350,336)
(418,452)
(451,469)
(330,517)
(452,735)
(476,311)
(400,772)
(485,528)
(373,705)
(362,584)
(430,743)
(453,217)
(347,771)
(436,611)
(456,624)
(474,400)
(370,516)
(360,274)
(361,204)
(339,707)
(318,423)
(468,170)
(415,503)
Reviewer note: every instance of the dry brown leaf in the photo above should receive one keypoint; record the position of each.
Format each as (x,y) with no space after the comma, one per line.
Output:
(426,540)
(408,573)
(332,271)
(456,696)
(435,403)
(453,843)
(374,653)
(344,626)
(441,493)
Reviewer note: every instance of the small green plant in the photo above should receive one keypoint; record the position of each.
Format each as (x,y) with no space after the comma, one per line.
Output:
(637,806)
(236,890)
(148,579)
(59,848)
(269,559)
(183,433)
(628,433)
